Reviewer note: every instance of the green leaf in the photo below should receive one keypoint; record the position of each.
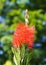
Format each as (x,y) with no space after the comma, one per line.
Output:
(22,52)
(16,55)
(29,57)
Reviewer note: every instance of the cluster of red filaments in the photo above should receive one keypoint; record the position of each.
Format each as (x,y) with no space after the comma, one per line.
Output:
(23,35)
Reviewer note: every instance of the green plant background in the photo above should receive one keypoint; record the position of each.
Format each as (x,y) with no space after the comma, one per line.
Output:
(13,11)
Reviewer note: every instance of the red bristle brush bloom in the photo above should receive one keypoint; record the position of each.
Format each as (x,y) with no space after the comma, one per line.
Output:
(23,35)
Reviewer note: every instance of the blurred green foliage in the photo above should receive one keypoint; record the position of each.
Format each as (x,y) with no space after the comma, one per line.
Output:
(13,11)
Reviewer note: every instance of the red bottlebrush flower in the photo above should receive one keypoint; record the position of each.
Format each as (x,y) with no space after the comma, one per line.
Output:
(23,35)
